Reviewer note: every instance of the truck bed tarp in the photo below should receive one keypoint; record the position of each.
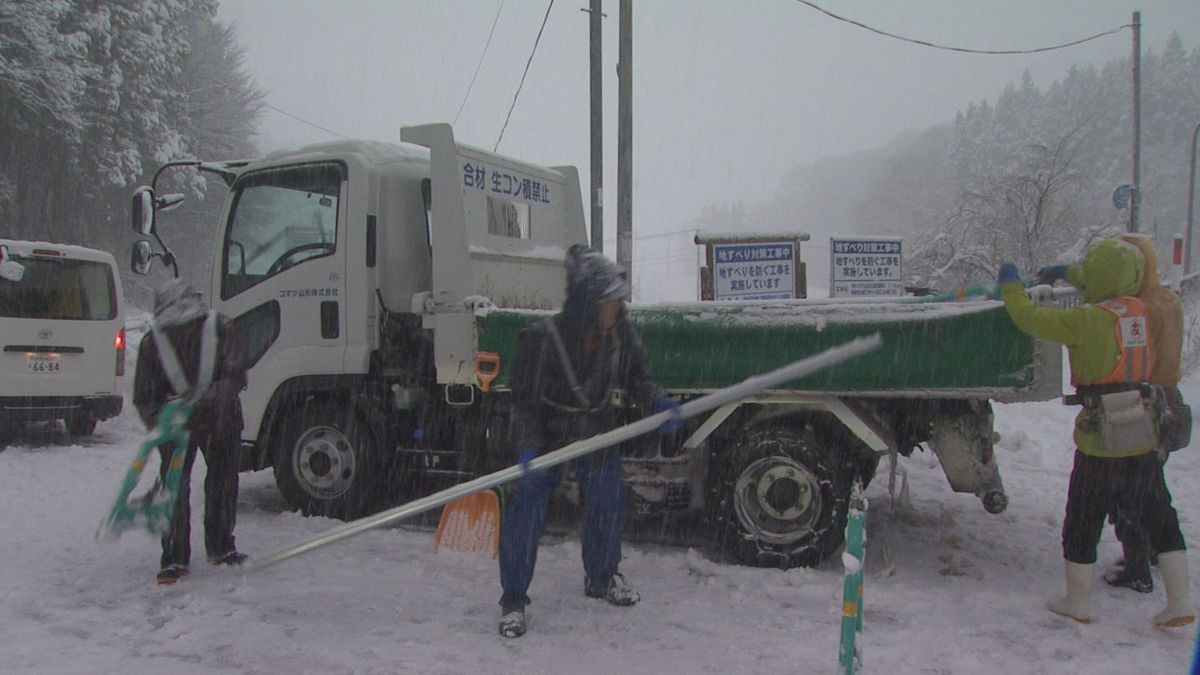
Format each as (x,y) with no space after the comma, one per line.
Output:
(945,347)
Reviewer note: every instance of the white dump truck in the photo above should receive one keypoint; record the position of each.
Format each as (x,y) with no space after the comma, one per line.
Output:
(378,290)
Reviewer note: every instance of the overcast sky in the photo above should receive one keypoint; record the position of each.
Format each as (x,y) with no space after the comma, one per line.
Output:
(727,95)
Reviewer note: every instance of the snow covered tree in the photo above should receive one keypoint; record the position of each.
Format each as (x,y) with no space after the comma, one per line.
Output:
(1036,213)
(1027,178)
(95,95)
(43,74)
(1035,173)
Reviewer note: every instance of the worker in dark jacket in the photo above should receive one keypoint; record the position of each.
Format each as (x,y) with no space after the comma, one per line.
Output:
(182,320)
(573,376)
(1115,438)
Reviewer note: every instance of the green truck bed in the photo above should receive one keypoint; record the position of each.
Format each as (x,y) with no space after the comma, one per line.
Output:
(929,348)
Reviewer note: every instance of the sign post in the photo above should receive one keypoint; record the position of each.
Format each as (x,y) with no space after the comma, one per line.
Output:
(862,267)
(766,267)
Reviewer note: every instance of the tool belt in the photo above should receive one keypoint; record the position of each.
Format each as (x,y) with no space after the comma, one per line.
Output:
(1088,395)
(1172,416)
(566,424)
(1123,414)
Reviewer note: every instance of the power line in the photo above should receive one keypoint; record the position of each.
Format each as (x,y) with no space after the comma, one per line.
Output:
(480,64)
(281,111)
(642,237)
(678,256)
(304,121)
(522,83)
(965,50)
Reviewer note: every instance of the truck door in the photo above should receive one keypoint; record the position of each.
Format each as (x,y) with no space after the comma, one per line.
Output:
(282,275)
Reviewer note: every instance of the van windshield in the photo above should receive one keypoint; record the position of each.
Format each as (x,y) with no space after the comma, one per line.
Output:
(60,288)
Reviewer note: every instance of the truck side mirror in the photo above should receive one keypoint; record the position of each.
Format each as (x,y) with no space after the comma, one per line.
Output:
(140,257)
(168,202)
(143,211)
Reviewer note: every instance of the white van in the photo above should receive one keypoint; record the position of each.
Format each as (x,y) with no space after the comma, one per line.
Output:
(62,335)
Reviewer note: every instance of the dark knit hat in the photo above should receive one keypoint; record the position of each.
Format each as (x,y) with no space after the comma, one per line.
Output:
(591,277)
(177,302)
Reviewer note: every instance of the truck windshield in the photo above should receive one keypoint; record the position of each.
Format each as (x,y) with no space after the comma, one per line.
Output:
(280,218)
(61,289)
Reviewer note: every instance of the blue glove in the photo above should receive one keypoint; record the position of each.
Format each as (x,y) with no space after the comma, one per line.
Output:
(673,423)
(525,457)
(1051,274)
(1008,274)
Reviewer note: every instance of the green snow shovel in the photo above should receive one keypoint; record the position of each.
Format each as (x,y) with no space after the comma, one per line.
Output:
(152,511)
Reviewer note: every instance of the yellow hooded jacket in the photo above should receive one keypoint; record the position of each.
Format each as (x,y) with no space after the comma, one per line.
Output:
(1164,313)
(1111,269)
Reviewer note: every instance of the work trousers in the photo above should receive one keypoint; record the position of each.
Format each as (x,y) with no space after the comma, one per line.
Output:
(1135,484)
(220,500)
(603,520)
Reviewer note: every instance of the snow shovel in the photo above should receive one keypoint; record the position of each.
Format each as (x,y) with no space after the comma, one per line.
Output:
(751,385)
(152,511)
(471,524)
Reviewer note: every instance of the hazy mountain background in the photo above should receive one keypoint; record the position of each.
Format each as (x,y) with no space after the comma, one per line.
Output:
(1026,176)
(95,96)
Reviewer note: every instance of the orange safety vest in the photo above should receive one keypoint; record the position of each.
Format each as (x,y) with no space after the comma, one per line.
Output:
(1133,341)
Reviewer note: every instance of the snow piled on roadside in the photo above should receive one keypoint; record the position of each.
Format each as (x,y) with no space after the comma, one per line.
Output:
(949,588)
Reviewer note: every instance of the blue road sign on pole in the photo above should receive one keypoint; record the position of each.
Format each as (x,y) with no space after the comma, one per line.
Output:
(1121,196)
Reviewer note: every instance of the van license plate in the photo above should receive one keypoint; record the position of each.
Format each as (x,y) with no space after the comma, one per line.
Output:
(43,364)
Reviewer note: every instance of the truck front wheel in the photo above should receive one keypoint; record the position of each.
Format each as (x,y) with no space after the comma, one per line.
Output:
(782,499)
(326,464)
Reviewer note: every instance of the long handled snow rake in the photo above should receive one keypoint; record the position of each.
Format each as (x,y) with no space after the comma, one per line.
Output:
(152,510)
(565,454)
(1043,292)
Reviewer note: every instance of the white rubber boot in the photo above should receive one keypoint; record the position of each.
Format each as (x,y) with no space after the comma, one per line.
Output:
(1179,610)
(1078,603)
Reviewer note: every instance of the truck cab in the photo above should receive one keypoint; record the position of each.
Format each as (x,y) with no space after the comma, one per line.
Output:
(352,272)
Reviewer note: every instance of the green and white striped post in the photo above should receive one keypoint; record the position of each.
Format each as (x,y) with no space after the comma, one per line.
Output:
(849,651)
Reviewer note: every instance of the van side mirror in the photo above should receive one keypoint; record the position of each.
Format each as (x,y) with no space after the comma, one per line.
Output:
(143,211)
(140,257)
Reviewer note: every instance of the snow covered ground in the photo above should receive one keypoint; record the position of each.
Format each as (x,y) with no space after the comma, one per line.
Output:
(949,588)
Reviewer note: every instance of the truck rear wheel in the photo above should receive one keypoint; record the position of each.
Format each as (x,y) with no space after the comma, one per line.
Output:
(782,500)
(326,463)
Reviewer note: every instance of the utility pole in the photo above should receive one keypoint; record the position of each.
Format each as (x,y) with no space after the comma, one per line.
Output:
(1187,253)
(1136,198)
(625,140)
(597,126)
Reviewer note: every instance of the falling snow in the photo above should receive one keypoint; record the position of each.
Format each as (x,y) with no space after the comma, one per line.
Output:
(948,589)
